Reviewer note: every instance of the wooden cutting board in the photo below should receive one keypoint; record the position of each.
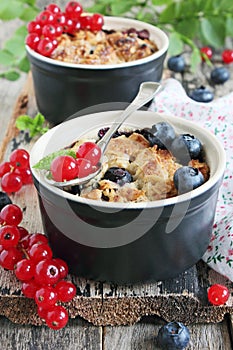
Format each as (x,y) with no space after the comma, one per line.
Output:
(183,298)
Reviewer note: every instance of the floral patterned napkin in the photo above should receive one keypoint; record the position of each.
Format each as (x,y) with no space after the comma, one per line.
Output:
(217,116)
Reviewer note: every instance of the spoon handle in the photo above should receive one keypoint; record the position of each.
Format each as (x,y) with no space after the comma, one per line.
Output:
(146,92)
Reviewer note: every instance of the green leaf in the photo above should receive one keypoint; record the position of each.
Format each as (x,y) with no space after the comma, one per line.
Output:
(213,30)
(24,122)
(28,14)
(188,27)
(16,46)
(29,2)
(33,125)
(24,64)
(10,9)
(195,59)
(176,44)
(167,15)
(6,58)
(10,75)
(229,26)
(39,120)
(98,8)
(119,8)
(44,163)
(161,2)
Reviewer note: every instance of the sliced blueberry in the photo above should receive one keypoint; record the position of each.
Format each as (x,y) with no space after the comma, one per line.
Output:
(202,94)
(186,147)
(219,75)
(4,200)
(118,175)
(173,336)
(187,179)
(176,63)
(164,134)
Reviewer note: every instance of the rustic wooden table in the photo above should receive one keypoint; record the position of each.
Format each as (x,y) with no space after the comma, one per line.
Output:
(104,316)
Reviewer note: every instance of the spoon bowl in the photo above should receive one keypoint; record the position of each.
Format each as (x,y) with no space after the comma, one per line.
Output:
(147,91)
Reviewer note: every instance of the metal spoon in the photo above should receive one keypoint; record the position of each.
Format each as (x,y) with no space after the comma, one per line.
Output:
(146,92)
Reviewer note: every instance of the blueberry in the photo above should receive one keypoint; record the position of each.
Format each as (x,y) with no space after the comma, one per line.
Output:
(4,200)
(187,179)
(201,94)
(176,63)
(164,134)
(118,175)
(173,336)
(186,147)
(219,75)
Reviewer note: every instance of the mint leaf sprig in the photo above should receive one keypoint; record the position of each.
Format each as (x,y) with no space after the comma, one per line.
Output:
(35,126)
(45,162)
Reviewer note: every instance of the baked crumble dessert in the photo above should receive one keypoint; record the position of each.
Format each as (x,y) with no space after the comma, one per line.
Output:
(103,47)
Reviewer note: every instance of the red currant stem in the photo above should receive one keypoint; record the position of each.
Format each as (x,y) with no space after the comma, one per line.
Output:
(25,253)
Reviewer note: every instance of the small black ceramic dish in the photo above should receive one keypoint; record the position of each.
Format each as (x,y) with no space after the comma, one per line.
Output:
(61,88)
(128,242)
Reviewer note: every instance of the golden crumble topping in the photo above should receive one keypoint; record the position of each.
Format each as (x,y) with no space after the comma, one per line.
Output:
(86,47)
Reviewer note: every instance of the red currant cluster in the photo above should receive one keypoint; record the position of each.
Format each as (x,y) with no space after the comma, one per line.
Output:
(227,55)
(65,167)
(52,22)
(31,259)
(16,172)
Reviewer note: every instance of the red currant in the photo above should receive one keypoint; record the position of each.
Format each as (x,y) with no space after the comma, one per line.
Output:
(46,17)
(85,22)
(53,8)
(218,294)
(60,19)
(42,313)
(89,151)
(24,242)
(32,40)
(37,238)
(25,269)
(20,158)
(34,27)
(69,26)
(10,257)
(47,272)
(66,291)
(9,236)
(46,297)
(64,168)
(11,214)
(97,22)
(84,167)
(5,168)
(45,47)
(11,183)
(206,52)
(49,31)
(57,317)
(40,251)
(29,288)
(62,266)
(25,174)
(23,232)
(227,56)
(73,9)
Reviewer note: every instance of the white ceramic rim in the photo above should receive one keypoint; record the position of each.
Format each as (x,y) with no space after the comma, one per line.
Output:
(156,35)
(213,149)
